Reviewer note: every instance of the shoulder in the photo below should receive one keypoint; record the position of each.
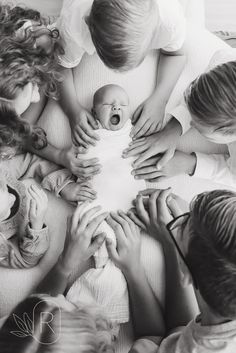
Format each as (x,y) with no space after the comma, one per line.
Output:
(74,32)
(171,28)
(222,56)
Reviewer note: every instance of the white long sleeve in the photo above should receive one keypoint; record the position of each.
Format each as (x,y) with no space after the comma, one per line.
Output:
(217,167)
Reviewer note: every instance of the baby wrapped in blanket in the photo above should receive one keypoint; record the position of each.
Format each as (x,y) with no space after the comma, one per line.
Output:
(116,188)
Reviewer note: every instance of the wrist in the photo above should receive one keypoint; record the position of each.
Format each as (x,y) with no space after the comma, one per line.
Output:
(134,273)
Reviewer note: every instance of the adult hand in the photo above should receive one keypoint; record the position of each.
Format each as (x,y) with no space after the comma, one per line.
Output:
(82,126)
(38,207)
(126,255)
(148,117)
(81,242)
(180,163)
(84,169)
(162,143)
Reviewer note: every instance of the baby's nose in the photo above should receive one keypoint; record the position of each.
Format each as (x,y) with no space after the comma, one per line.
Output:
(115,107)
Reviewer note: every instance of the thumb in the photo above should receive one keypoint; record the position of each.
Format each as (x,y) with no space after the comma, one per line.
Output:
(165,158)
(92,121)
(97,242)
(173,206)
(111,249)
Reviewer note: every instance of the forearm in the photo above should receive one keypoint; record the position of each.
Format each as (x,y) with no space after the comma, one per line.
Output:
(33,113)
(55,281)
(146,310)
(67,95)
(181,305)
(50,153)
(169,70)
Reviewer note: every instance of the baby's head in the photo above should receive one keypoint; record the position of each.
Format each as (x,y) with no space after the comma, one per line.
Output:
(111,107)
(211,100)
(7,200)
(122,31)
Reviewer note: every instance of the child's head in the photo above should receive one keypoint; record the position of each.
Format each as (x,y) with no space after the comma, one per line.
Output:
(122,31)
(20,22)
(111,107)
(56,327)
(211,251)
(7,200)
(211,101)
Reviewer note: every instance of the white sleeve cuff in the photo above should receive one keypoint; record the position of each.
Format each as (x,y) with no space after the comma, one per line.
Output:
(205,166)
(183,116)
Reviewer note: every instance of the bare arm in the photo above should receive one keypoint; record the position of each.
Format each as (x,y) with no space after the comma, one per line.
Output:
(82,122)
(146,310)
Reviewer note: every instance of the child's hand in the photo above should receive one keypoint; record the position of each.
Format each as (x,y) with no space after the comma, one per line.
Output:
(38,207)
(180,163)
(163,142)
(84,169)
(80,243)
(78,192)
(153,212)
(82,128)
(127,254)
(148,117)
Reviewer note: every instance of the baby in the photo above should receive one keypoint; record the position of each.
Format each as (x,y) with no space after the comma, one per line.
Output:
(24,236)
(116,188)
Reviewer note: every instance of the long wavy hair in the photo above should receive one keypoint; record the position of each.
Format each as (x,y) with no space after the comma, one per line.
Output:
(83,330)
(14,46)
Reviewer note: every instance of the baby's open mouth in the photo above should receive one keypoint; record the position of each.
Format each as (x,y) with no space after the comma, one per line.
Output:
(115,119)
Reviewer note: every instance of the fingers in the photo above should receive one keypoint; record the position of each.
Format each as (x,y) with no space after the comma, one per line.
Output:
(97,243)
(143,129)
(120,235)
(139,125)
(111,249)
(85,135)
(163,210)
(86,217)
(32,209)
(173,206)
(123,222)
(141,211)
(76,215)
(149,176)
(165,158)
(134,150)
(145,155)
(134,217)
(95,223)
(93,122)
(147,192)
(137,114)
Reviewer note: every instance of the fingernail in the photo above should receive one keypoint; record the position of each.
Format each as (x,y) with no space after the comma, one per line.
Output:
(133,172)
(136,177)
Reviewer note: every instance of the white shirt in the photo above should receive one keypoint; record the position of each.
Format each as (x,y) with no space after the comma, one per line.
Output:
(220,168)
(76,39)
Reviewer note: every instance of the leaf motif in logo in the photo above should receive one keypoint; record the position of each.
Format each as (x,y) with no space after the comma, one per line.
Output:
(19,334)
(20,324)
(29,323)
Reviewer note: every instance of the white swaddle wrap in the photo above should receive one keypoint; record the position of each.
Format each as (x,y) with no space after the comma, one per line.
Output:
(105,284)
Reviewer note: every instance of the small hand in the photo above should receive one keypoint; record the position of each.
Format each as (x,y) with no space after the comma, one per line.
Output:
(148,117)
(162,143)
(78,192)
(153,211)
(38,207)
(80,242)
(82,129)
(127,254)
(180,163)
(84,169)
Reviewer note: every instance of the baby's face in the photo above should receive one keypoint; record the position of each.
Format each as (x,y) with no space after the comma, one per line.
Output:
(7,200)
(111,107)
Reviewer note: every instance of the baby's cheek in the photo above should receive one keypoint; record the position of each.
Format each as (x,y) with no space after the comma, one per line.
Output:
(44,42)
